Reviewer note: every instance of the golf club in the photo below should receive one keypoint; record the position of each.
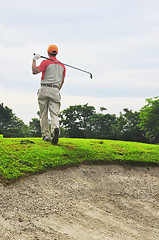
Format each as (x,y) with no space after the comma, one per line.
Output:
(91,76)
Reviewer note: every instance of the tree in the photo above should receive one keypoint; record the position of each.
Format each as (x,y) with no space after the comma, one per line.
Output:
(75,119)
(102,109)
(34,128)
(10,124)
(128,126)
(102,126)
(5,116)
(149,116)
(82,121)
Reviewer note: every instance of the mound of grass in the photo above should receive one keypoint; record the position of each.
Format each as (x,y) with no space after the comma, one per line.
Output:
(20,156)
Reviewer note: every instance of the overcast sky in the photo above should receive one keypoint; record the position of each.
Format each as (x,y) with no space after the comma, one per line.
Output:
(117,41)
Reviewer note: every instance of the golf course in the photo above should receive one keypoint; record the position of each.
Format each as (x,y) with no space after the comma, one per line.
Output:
(78,189)
(79,120)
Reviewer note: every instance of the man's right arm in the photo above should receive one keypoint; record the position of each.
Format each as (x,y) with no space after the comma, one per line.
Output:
(62,82)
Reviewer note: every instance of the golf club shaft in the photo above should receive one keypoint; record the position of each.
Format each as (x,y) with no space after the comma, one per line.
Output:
(67,65)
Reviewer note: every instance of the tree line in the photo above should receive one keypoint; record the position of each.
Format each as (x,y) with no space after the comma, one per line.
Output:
(82,121)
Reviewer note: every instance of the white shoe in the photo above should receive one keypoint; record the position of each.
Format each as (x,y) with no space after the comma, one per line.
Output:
(46,138)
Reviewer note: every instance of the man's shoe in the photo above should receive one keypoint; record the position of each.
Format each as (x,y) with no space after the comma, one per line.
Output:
(46,138)
(56,136)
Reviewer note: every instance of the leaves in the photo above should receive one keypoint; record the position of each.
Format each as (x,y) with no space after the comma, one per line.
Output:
(11,125)
(149,116)
(82,121)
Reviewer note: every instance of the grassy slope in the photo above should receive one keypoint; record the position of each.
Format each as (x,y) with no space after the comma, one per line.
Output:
(20,156)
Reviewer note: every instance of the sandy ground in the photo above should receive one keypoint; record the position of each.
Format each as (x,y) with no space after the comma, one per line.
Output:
(82,203)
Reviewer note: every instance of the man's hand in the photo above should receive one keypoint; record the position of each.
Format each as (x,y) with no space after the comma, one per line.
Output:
(36,56)
(35,70)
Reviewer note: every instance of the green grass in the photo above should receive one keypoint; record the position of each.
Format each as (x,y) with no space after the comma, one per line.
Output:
(22,156)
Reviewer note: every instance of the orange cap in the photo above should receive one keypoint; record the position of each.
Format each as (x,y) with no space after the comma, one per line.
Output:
(52,49)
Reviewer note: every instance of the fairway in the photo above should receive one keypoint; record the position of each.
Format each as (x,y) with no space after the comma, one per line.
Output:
(22,156)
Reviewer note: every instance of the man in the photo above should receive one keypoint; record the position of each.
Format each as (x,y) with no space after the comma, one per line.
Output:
(53,74)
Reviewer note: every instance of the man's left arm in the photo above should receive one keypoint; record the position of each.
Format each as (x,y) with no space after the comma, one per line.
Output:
(35,69)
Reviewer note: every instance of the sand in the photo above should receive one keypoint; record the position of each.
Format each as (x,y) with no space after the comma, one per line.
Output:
(105,202)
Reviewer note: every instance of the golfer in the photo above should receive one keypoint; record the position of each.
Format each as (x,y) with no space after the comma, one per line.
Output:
(53,74)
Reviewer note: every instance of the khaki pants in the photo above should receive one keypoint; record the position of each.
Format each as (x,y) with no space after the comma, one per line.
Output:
(49,101)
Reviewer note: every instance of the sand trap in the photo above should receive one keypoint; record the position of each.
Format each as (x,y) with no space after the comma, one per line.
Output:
(82,203)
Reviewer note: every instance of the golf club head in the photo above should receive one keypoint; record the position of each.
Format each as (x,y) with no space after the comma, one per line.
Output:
(91,76)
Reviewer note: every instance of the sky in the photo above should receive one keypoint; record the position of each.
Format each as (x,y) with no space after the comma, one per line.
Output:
(117,41)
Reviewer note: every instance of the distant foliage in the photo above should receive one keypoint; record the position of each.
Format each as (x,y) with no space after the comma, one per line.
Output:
(10,124)
(149,119)
(34,128)
(82,121)
(128,128)
(75,120)
(101,126)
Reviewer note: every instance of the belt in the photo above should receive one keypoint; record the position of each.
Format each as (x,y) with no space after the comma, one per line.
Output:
(49,85)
